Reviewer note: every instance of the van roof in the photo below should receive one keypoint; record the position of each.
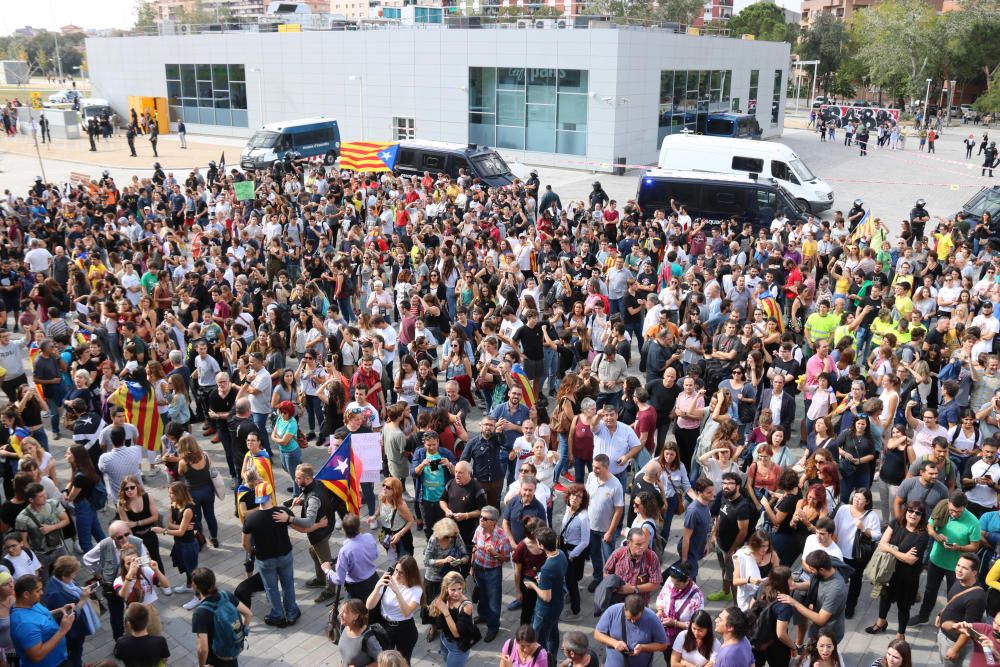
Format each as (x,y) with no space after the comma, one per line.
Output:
(758,148)
(440,145)
(94,102)
(299,122)
(695,175)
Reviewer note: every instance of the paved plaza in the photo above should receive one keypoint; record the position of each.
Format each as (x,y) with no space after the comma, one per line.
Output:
(888,181)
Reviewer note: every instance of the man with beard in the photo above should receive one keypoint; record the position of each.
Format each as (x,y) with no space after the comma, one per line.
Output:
(732,527)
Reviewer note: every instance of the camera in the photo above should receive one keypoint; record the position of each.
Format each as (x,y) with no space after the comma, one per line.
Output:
(435,464)
(143,561)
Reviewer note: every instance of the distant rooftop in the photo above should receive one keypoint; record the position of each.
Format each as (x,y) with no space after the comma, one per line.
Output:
(328,22)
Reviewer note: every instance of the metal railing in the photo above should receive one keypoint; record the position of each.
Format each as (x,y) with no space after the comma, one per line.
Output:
(313,23)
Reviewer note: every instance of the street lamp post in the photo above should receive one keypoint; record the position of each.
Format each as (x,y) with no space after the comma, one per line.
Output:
(260,92)
(927,100)
(951,98)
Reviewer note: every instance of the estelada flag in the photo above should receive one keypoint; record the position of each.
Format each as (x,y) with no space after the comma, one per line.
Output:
(141,412)
(265,470)
(368,156)
(342,475)
(524,383)
(772,310)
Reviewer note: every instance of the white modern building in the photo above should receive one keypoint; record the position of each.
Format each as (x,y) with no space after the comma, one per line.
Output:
(582,97)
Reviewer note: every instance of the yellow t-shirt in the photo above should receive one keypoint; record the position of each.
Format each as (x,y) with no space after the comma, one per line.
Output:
(944,245)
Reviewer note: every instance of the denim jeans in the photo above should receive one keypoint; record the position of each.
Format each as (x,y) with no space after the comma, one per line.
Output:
(289,461)
(550,361)
(600,552)
(314,411)
(668,516)
(42,437)
(260,421)
(861,479)
(617,306)
(490,583)
(368,496)
(547,632)
(580,469)
(88,525)
(275,572)
(453,656)
(54,414)
(563,458)
(613,398)
(346,311)
(204,507)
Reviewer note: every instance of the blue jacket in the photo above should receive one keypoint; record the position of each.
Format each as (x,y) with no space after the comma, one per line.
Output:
(418,457)
(54,598)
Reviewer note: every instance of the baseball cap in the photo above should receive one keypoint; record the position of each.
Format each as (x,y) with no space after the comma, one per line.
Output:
(5,577)
(262,492)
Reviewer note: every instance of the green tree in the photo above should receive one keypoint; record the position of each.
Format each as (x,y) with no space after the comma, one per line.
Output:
(546,12)
(899,45)
(679,11)
(989,102)
(766,21)
(146,15)
(972,41)
(197,15)
(825,41)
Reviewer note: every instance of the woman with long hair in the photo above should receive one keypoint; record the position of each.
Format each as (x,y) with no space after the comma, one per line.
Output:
(779,650)
(395,600)
(647,515)
(752,563)
(574,540)
(451,613)
(444,553)
(780,509)
(394,520)
(813,505)
(195,468)
(523,649)
(676,485)
(897,455)
(179,409)
(678,601)
(138,509)
(822,652)
(897,654)
(565,410)
(137,583)
(906,542)
(357,647)
(80,493)
(697,645)
(181,526)
(762,476)
(852,519)
(857,453)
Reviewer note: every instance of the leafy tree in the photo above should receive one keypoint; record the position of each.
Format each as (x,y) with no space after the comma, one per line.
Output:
(146,15)
(679,11)
(989,102)
(971,41)
(546,12)
(825,41)
(899,44)
(766,21)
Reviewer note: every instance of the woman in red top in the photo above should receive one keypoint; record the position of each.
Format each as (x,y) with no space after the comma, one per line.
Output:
(581,439)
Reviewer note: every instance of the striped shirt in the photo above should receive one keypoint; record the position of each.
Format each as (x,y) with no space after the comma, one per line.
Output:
(496,540)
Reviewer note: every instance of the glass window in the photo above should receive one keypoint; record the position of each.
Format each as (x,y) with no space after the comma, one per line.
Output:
(726,80)
(573,143)
(220,77)
(541,86)
(572,112)
(482,89)
(204,72)
(510,108)
(541,134)
(240,118)
(510,78)
(667,88)
(222,99)
(510,137)
(188,86)
(403,128)
(776,98)
(205,93)
(755,165)
(238,95)
(173,72)
(237,73)
(573,80)
(754,85)
(173,89)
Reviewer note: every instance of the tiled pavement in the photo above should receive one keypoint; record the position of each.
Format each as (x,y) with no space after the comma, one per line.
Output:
(306,643)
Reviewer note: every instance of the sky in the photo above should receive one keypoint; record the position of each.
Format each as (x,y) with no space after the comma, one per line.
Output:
(52,14)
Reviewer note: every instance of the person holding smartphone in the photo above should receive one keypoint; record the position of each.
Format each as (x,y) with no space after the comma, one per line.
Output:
(985,638)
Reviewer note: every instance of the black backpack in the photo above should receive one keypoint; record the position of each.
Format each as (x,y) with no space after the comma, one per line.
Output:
(763,632)
(383,637)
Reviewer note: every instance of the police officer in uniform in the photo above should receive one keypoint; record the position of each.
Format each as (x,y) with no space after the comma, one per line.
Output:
(598,195)
(92,133)
(43,125)
(154,136)
(158,176)
(855,214)
(990,158)
(212,173)
(919,217)
(130,138)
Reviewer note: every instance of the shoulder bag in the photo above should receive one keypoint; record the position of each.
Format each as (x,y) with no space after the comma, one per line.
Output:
(864,546)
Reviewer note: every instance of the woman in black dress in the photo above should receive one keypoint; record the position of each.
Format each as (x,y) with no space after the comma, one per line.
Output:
(138,509)
(907,544)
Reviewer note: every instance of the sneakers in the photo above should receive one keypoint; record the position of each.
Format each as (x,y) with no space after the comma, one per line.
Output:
(592,586)
(720,596)
(490,636)
(316,582)
(514,604)
(560,488)
(569,476)
(215,542)
(276,622)
(918,620)
(182,589)
(166,591)
(325,596)
(191,604)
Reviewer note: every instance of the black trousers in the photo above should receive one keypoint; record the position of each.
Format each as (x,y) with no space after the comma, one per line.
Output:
(934,576)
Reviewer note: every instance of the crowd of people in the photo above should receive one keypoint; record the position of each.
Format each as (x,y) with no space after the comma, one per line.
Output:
(553,384)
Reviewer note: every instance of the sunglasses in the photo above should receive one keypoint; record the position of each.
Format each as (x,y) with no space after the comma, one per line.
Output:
(130,488)
(917,512)
(122,536)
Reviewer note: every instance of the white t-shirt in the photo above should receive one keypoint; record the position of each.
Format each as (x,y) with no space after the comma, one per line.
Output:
(694,657)
(146,579)
(390,603)
(24,564)
(542,493)
(38,260)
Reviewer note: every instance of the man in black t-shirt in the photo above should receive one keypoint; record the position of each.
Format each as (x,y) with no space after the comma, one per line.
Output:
(265,532)
(732,527)
(203,620)
(463,498)
(531,340)
(138,648)
(633,312)
(966,603)
(662,396)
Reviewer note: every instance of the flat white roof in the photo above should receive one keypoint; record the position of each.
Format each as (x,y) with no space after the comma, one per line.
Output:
(749,146)
(440,145)
(285,124)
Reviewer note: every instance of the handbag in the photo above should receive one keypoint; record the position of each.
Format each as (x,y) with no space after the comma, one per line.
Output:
(218,483)
(469,631)
(384,534)
(847,469)
(864,546)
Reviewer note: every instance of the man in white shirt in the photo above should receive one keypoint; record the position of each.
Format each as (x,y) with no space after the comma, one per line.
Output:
(38,259)
(133,288)
(259,391)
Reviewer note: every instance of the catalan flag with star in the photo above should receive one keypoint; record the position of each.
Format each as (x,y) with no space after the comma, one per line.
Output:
(342,475)
(141,412)
(368,156)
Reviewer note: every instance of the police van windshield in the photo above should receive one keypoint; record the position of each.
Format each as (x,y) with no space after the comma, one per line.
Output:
(263,139)
(986,201)
(801,170)
(489,165)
